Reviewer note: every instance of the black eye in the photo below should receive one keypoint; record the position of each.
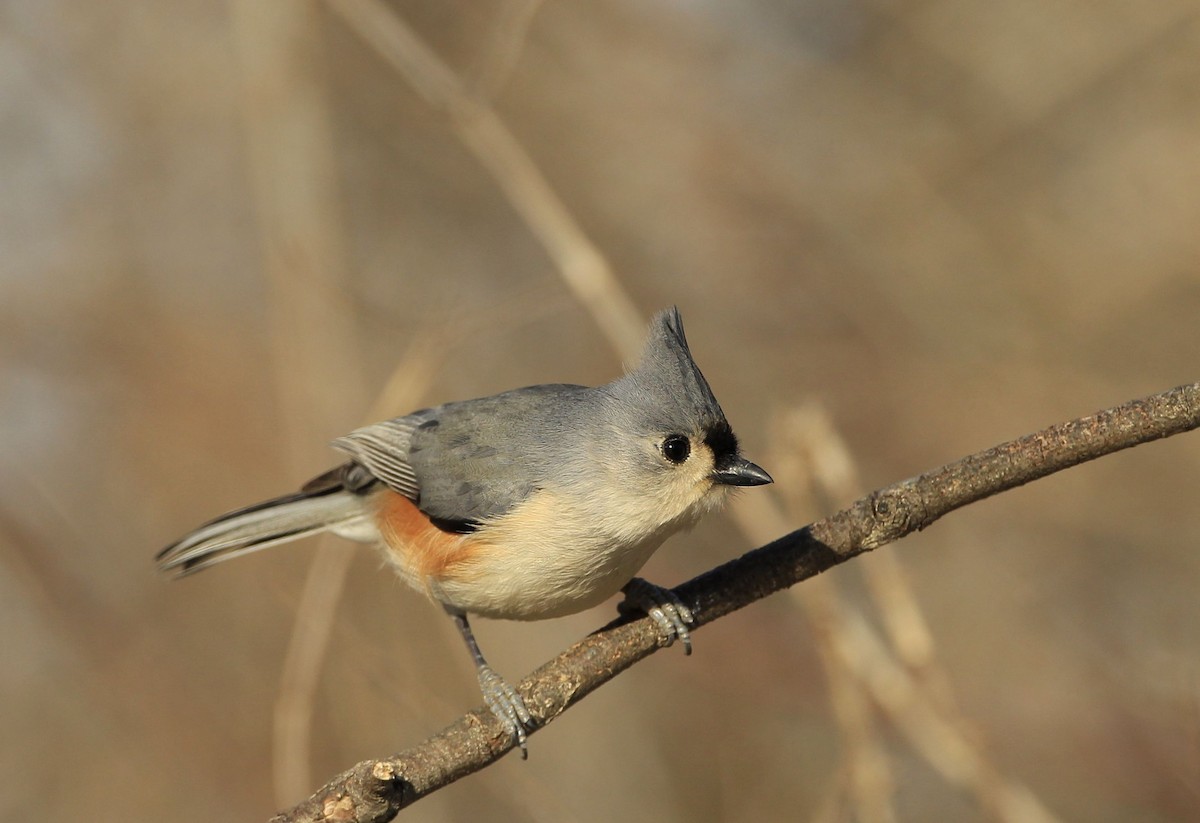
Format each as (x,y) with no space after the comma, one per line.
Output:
(676,448)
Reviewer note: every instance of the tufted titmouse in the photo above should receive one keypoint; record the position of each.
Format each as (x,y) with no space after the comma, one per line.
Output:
(535,503)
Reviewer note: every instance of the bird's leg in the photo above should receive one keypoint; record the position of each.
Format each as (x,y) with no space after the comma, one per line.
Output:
(663,606)
(499,696)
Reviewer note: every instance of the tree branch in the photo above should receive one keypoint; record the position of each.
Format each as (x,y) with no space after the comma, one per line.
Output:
(375,790)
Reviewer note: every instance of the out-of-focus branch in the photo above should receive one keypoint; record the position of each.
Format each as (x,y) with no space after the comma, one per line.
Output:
(315,350)
(814,472)
(376,790)
(499,57)
(900,675)
(583,268)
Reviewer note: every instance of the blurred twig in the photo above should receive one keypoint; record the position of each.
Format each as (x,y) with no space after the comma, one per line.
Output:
(868,778)
(827,465)
(582,266)
(315,352)
(912,691)
(498,59)
(325,582)
(925,725)
(812,469)
(814,457)
(376,789)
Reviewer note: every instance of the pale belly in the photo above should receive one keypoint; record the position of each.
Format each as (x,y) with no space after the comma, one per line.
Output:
(542,581)
(545,559)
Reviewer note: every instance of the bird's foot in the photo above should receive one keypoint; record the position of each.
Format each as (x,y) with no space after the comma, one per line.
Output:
(663,606)
(507,705)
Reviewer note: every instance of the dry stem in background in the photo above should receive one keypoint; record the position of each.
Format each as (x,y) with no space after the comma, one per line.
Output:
(315,351)
(900,676)
(584,270)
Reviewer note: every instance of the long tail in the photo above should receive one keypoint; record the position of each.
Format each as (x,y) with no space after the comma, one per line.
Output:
(260,526)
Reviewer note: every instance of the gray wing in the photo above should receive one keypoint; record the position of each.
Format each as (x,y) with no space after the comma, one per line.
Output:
(383,449)
(468,461)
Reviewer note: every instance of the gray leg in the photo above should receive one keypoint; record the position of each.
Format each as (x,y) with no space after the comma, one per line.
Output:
(669,612)
(500,697)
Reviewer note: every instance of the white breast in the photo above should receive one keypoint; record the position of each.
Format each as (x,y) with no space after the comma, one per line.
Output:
(549,558)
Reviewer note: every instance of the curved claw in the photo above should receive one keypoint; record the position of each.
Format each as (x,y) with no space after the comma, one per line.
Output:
(670,614)
(507,705)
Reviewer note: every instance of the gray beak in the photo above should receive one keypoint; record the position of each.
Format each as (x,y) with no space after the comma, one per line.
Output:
(736,470)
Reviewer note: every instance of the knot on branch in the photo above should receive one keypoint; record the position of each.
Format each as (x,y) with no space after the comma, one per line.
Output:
(895,511)
(371,792)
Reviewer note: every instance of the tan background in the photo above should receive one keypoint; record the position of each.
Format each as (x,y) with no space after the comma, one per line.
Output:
(948,222)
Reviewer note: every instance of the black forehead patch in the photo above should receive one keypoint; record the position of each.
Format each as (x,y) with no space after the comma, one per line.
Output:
(720,438)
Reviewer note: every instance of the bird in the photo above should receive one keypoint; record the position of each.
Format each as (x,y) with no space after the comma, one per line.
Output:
(530,504)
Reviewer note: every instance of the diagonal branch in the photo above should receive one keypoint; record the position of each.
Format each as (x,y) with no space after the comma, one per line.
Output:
(582,266)
(375,790)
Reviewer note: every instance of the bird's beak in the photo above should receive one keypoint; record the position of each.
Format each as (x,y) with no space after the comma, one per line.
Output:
(736,470)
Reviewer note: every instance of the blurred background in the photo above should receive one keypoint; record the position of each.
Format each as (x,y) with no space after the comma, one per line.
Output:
(899,232)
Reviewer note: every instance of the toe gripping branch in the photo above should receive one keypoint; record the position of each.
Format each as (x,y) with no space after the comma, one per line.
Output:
(507,705)
(663,606)
(498,694)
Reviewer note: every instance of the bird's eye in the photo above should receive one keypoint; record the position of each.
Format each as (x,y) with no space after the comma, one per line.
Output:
(676,448)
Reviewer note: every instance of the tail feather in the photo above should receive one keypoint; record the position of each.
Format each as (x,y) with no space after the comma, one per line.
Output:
(260,526)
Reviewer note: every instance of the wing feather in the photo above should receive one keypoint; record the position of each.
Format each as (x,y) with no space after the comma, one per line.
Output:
(466,462)
(383,448)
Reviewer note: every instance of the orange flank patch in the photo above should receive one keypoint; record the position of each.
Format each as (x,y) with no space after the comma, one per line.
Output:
(421,548)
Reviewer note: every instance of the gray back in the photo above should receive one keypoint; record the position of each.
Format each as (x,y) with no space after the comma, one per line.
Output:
(471,460)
